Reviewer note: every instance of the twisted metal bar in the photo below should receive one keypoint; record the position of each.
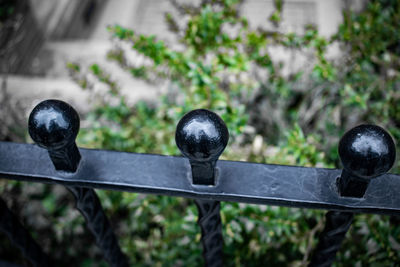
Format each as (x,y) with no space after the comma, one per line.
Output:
(336,227)
(89,206)
(211,231)
(20,237)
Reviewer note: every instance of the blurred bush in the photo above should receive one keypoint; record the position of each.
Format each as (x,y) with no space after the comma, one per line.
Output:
(275,114)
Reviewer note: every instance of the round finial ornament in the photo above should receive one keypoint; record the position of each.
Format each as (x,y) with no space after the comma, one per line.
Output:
(53,124)
(367,151)
(201,135)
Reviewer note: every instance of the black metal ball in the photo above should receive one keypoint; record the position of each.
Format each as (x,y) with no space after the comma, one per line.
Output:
(201,135)
(53,124)
(367,151)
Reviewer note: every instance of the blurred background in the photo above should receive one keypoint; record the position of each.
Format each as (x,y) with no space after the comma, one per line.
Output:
(288,78)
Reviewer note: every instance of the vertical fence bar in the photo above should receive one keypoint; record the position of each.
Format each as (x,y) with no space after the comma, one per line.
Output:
(89,206)
(20,237)
(336,226)
(211,231)
(54,125)
(366,152)
(202,136)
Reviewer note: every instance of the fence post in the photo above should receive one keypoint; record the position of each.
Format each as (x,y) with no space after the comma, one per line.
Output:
(54,125)
(366,152)
(201,136)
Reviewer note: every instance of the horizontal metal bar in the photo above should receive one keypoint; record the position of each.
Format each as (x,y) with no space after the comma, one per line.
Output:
(236,181)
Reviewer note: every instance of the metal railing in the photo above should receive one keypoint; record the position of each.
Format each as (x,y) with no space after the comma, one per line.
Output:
(363,186)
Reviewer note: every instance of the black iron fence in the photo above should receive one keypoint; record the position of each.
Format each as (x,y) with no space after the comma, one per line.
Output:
(363,186)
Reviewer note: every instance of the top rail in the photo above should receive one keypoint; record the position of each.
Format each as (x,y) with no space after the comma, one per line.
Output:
(236,181)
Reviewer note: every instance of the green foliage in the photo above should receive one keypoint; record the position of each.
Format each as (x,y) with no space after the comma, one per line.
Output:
(299,150)
(274,115)
(372,80)
(7,8)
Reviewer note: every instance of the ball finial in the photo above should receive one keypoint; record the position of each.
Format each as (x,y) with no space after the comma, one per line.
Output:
(54,125)
(366,151)
(201,135)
